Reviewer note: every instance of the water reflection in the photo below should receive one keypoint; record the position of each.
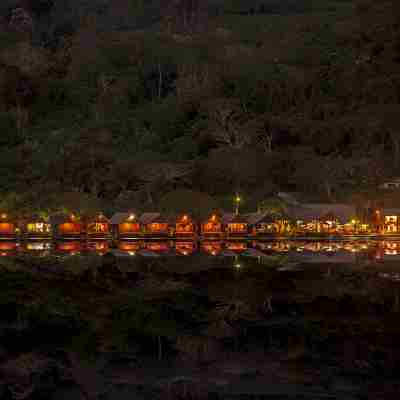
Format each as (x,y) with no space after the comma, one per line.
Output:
(297,250)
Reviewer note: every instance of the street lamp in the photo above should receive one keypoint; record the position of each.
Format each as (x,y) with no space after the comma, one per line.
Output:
(237,203)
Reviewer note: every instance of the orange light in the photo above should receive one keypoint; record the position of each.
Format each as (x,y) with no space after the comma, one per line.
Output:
(214,217)
(132,217)
(4,216)
(184,218)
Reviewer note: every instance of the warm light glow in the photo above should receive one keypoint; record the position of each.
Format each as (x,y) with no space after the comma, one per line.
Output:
(185,218)
(131,217)
(213,217)
(238,199)
(238,266)
(3,216)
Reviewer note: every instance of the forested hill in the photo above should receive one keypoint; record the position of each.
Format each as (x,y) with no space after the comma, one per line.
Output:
(123,101)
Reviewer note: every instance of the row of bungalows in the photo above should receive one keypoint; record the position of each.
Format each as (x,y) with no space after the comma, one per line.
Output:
(302,220)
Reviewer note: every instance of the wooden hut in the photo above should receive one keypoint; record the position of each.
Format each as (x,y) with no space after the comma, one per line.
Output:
(185,227)
(66,226)
(212,228)
(324,219)
(36,227)
(263,224)
(98,227)
(8,227)
(156,225)
(389,221)
(126,225)
(236,225)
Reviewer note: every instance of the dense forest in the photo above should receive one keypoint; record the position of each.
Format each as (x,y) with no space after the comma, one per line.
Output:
(136,104)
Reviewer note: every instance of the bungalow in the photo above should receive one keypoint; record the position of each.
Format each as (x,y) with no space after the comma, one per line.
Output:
(36,227)
(155,225)
(98,227)
(236,225)
(264,224)
(387,221)
(8,227)
(212,227)
(185,226)
(66,226)
(126,225)
(325,219)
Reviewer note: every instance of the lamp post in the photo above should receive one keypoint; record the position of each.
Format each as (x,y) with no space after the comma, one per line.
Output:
(237,203)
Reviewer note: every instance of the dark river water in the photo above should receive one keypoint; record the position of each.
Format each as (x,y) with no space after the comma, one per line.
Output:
(197,320)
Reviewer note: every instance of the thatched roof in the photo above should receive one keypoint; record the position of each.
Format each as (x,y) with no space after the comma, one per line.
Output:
(391,211)
(321,211)
(61,219)
(149,218)
(260,218)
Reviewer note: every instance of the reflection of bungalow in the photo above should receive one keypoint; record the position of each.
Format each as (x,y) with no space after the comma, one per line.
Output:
(99,247)
(212,248)
(184,226)
(155,225)
(126,225)
(7,227)
(98,227)
(157,247)
(185,248)
(70,248)
(66,226)
(236,225)
(236,246)
(324,219)
(36,227)
(8,248)
(130,247)
(212,227)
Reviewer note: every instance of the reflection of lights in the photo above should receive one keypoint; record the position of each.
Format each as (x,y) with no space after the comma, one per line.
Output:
(132,253)
(213,253)
(238,266)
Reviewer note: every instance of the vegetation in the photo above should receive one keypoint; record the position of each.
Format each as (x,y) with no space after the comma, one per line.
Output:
(121,102)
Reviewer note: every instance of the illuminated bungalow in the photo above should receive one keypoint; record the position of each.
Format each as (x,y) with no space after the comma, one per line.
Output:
(36,227)
(236,225)
(8,227)
(212,227)
(66,226)
(263,224)
(324,219)
(98,227)
(155,225)
(126,225)
(185,226)
(387,221)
